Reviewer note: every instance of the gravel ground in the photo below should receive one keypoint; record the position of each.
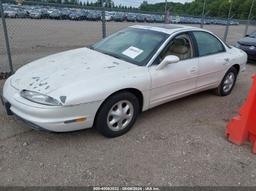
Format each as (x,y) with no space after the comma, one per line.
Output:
(180,143)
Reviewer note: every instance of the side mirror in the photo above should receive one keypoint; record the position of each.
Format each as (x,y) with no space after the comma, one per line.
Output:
(168,60)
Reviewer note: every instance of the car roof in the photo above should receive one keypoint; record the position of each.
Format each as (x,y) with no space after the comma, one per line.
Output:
(165,28)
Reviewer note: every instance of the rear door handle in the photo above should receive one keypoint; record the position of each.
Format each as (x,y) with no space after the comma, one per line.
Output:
(193,70)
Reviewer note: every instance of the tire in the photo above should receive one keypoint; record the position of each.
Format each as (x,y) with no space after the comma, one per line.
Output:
(225,88)
(117,114)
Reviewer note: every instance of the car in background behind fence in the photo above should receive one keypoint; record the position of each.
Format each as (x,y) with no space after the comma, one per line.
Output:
(248,44)
(84,13)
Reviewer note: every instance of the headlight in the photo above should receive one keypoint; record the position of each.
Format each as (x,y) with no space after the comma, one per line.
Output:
(39,98)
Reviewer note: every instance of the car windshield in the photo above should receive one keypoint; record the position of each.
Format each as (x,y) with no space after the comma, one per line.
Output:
(252,35)
(132,45)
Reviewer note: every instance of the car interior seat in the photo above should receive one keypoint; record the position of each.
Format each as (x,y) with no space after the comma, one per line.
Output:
(180,48)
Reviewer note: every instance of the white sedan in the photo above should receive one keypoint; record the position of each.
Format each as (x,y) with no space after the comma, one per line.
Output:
(110,83)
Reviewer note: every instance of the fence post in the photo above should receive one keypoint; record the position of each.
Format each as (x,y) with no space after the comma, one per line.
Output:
(228,22)
(249,16)
(6,37)
(103,19)
(203,15)
(165,13)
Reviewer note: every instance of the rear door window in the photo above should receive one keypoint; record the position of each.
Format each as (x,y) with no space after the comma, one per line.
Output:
(208,44)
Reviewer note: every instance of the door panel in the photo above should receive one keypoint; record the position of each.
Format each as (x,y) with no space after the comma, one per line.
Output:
(213,59)
(212,69)
(173,81)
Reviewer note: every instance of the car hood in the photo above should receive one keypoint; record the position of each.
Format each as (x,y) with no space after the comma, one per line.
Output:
(248,41)
(60,70)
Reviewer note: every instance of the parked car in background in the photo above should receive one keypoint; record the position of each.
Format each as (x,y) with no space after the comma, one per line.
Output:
(44,13)
(234,22)
(140,18)
(93,16)
(248,44)
(221,22)
(10,13)
(80,13)
(126,73)
(108,16)
(66,12)
(158,18)
(21,13)
(150,19)
(55,14)
(200,21)
(131,17)
(119,17)
(75,16)
(175,19)
(35,14)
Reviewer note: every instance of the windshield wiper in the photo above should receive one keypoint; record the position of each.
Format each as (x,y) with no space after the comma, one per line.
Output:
(91,47)
(111,54)
(107,53)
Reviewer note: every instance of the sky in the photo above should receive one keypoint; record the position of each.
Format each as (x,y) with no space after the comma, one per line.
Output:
(136,3)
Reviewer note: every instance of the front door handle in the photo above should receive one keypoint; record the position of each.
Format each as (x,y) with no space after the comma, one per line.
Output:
(193,70)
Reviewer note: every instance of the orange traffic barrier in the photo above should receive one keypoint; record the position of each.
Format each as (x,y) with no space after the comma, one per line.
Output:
(242,128)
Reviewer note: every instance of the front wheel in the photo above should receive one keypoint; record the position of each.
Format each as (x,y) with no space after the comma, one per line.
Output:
(227,84)
(117,114)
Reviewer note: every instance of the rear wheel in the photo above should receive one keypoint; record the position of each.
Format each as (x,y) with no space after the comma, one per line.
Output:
(117,114)
(227,84)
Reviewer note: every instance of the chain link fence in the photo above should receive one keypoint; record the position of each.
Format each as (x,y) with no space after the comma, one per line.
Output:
(33,35)
(37,29)
(4,48)
(3,53)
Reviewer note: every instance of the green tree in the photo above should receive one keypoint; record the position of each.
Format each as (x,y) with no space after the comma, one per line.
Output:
(214,8)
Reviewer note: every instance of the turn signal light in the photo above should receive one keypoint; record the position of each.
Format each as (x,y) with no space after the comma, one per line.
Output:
(78,120)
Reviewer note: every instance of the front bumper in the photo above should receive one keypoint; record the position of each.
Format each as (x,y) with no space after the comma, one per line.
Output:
(7,105)
(50,118)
